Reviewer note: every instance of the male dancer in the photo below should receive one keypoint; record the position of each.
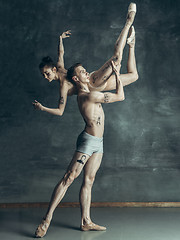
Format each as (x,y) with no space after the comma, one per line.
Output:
(89,151)
(100,80)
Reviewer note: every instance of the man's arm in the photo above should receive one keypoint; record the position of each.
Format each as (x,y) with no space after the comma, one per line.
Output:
(60,62)
(62,103)
(108,97)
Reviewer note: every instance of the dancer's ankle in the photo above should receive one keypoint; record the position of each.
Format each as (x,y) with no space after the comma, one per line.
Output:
(86,220)
(48,218)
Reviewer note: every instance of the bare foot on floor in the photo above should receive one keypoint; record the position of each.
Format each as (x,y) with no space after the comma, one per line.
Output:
(92,227)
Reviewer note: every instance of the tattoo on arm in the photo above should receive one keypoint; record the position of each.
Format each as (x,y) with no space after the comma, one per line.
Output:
(106,98)
(83,158)
(61,100)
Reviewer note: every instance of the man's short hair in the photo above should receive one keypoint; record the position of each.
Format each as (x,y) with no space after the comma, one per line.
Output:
(46,61)
(71,72)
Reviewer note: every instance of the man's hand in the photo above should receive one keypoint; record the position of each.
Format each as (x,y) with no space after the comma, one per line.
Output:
(66,34)
(37,105)
(115,68)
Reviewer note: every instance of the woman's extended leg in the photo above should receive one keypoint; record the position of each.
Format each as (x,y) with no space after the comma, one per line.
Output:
(100,77)
(132,74)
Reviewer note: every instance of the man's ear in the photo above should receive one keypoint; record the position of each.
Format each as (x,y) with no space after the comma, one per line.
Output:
(75,79)
(54,69)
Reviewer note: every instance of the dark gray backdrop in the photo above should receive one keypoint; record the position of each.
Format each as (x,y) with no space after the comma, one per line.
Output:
(141,159)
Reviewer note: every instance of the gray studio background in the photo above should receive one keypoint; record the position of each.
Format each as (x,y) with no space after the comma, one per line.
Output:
(141,142)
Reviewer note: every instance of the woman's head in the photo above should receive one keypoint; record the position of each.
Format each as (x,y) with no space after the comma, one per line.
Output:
(48,68)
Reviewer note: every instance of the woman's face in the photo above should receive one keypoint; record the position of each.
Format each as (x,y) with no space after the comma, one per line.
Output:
(49,73)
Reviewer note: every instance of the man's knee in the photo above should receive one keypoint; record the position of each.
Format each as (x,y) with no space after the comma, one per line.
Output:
(69,178)
(89,180)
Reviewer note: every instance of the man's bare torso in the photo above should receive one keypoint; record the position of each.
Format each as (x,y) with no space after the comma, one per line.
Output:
(92,114)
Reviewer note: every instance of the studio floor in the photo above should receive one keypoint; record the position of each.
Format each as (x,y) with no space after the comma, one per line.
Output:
(121,223)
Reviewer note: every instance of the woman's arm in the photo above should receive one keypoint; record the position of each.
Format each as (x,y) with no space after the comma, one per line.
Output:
(61,106)
(60,62)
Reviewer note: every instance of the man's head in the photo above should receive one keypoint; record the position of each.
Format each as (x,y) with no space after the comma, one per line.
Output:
(48,69)
(77,74)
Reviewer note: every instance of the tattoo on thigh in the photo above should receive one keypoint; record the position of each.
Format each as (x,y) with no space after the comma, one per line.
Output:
(105,68)
(106,98)
(115,59)
(94,78)
(105,78)
(61,101)
(83,158)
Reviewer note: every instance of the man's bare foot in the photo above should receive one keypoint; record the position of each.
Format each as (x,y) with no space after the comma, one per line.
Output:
(42,228)
(131,12)
(131,38)
(92,227)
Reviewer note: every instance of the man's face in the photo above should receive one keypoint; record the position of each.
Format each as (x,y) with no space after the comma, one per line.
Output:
(49,73)
(82,75)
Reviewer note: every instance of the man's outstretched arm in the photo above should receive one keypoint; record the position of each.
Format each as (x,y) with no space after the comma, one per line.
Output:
(60,62)
(61,106)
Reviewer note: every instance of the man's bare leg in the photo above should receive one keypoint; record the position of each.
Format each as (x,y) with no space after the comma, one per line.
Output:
(132,74)
(78,162)
(101,76)
(90,171)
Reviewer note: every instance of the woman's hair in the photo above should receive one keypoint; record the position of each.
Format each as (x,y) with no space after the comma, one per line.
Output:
(46,61)
(71,72)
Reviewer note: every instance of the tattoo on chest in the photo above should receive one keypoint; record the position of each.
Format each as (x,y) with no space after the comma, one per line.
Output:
(61,100)
(83,158)
(106,98)
(99,121)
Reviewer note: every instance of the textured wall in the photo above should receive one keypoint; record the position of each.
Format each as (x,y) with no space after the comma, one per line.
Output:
(141,160)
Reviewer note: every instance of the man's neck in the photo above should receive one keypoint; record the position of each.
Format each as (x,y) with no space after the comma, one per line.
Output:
(83,88)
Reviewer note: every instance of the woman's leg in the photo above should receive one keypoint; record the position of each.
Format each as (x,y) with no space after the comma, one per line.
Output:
(132,74)
(100,77)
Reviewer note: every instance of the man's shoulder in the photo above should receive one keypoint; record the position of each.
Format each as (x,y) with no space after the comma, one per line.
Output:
(95,94)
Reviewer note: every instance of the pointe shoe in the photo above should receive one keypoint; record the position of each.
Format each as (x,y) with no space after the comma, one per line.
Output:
(42,229)
(92,227)
(131,13)
(131,38)
(132,8)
